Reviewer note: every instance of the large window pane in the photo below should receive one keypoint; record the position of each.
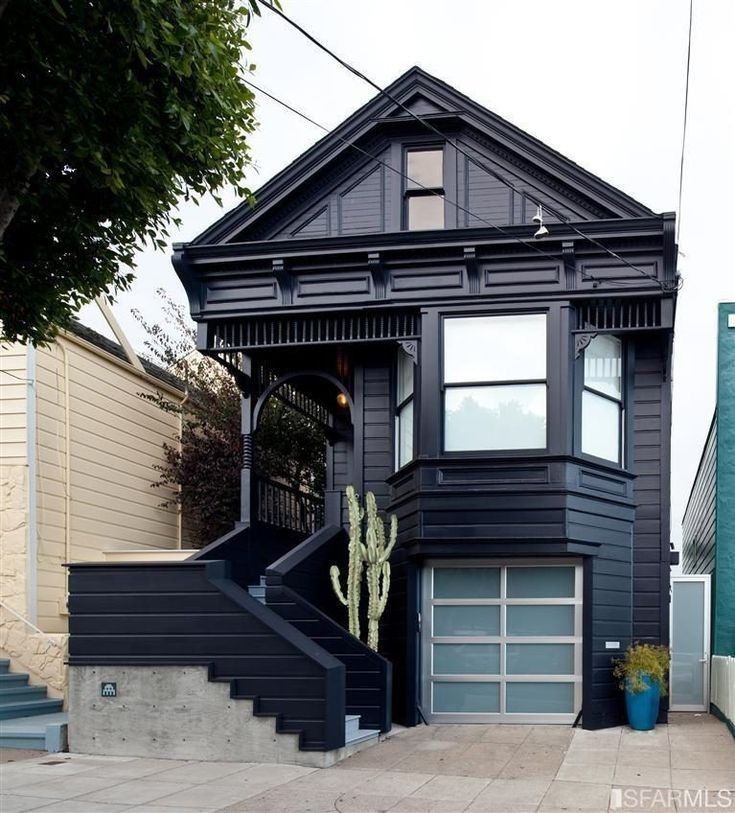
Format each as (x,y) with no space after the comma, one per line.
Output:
(539,698)
(600,426)
(540,582)
(405,377)
(466,659)
(539,659)
(405,434)
(499,417)
(603,365)
(466,582)
(466,620)
(424,169)
(539,619)
(466,697)
(425,212)
(495,348)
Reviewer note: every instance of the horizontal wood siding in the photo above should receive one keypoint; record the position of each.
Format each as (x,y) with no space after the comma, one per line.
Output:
(116,438)
(651,539)
(699,526)
(377,421)
(13,393)
(190,613)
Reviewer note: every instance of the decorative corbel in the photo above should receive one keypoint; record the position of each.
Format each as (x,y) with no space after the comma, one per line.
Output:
(570,264)
(473,271)
(285,281)
(410,348)
(581,342)
(378,274)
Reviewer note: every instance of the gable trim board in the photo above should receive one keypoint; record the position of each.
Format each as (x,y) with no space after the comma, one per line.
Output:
(376,115)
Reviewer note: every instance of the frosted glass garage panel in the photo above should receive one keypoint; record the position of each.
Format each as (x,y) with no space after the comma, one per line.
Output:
(539,698)
(466,620)
(466,582)
(466,698)
(495,348)
(541,582)
(539,659)
(540,619)
(466,659)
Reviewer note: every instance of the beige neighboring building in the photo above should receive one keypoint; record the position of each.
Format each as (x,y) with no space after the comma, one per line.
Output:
(78,446)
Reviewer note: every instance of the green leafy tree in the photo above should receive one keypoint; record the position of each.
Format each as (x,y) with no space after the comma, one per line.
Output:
(202,467)
(110,114)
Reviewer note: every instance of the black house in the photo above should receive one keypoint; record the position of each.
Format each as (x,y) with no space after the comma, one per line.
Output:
(507,396)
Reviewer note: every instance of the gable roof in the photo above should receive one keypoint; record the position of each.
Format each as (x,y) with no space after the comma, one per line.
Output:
(433,100)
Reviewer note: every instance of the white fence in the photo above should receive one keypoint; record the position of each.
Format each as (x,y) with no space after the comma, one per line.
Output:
(723,685)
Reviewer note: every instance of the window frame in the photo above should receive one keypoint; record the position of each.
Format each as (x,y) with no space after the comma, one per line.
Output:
(422,191)
(398,408)
(623,442)
(444,386)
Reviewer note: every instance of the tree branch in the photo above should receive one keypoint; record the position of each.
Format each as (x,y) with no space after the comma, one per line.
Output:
(9,202)
(3,6)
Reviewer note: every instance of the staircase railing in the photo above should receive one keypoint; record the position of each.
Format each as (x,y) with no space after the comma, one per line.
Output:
(191,613)
(298,588)
(285,507)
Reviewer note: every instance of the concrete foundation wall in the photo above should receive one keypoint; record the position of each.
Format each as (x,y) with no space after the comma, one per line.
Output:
(174,712)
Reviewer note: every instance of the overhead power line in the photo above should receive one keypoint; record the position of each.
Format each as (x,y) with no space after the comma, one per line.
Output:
(684,126)
(430,126)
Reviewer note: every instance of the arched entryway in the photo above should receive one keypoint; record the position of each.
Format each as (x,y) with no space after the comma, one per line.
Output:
(302,433)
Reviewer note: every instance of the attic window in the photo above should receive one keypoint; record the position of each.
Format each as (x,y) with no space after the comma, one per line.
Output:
(424,191)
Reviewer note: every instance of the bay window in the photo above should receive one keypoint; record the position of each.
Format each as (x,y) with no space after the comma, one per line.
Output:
(495,382)
(602,399)
(404,409)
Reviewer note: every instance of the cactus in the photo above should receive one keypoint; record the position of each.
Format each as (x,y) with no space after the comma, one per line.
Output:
(378,566)
(373,555)
(356,557)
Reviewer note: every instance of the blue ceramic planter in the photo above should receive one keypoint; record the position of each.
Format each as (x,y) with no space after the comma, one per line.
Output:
(642,707)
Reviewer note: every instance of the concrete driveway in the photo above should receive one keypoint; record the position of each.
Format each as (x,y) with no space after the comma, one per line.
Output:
(687,765)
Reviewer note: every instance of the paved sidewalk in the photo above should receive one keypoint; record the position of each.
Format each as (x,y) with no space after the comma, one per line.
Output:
(499,769)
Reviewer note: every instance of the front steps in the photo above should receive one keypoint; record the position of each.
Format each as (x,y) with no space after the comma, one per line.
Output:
(257,591)
(354,735)
(28,717)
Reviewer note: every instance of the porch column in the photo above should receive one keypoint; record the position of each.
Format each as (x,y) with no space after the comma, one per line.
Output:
(248,450)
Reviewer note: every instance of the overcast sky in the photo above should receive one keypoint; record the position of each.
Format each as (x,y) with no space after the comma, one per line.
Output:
(603,83)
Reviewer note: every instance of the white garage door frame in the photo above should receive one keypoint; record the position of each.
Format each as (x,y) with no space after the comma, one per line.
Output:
(428,640)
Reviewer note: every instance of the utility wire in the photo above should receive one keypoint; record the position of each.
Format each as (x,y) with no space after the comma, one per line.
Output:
(474,159)
(535,247)
(401,174)
(686,109)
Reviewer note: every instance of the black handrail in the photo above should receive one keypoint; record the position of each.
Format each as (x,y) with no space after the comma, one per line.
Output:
(297,586)
(285,507)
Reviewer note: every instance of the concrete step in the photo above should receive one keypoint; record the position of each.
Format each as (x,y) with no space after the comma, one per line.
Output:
(43,732)
(4,665)
(30,708)
(11,692)
(12,679)
(257,591)
(354,734)
(352,724)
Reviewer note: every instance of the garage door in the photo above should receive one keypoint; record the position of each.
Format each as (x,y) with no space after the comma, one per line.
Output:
(502,642)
